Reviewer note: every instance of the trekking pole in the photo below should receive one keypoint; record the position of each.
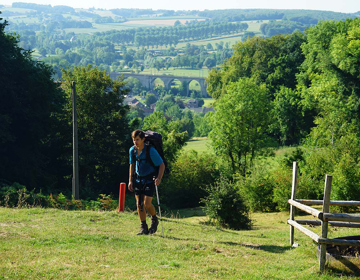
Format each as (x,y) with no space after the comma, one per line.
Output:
(157,195)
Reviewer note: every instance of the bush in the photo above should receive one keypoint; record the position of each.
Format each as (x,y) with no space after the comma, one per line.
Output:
(347,169)
(190,175)
(257,188)
(296,155)
(225,206)
(282,179)
(17,195)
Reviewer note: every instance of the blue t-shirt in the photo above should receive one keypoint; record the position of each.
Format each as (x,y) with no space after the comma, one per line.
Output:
(144,168)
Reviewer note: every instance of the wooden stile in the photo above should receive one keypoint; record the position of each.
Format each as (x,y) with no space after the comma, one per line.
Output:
(325,218)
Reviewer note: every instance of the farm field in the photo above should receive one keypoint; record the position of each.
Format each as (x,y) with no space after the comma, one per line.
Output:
(56,244)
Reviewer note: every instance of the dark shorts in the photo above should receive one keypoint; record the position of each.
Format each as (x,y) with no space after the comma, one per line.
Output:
(144,187)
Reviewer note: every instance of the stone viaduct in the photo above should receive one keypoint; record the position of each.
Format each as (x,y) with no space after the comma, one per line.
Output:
(148,80)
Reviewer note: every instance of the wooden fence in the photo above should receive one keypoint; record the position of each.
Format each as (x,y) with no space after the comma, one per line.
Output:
(325,218)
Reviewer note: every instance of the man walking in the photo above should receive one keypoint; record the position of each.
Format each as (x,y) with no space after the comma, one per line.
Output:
(143,176)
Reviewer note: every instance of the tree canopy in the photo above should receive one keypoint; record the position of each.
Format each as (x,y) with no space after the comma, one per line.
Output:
(29,102)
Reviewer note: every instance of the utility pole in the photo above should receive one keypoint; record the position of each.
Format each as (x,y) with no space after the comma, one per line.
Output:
(75,179)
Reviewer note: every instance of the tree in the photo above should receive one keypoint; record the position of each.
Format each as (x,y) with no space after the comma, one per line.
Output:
(30,104)
(210,62)
(103,130)
(329,79)
(329,85)
(288,119)
(274,61)
(240,123)
(173,139)
(134,85)
(202,124)
(150,99)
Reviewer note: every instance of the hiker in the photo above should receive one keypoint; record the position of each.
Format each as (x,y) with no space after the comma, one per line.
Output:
(143,175)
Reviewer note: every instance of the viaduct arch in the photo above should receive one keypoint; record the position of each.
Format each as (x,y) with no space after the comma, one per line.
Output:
(148,80)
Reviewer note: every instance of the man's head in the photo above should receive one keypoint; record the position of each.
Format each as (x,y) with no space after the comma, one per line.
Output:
(138,137)
(139,133)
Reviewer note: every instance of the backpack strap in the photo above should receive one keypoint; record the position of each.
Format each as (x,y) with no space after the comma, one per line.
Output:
(133,155)
(147,154)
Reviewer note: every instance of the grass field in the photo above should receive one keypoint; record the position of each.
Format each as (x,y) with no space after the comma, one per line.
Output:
(198,144)
(41,243)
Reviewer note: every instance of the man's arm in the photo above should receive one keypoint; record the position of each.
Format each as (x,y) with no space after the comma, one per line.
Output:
(131,174)
(160,174)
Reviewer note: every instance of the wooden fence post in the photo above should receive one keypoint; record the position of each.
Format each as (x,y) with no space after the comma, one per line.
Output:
(324,222)
(293,197)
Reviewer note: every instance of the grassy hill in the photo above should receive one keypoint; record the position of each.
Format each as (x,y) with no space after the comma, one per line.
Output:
(55,244)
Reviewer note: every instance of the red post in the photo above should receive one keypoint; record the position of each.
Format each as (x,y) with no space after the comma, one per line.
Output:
(122,197)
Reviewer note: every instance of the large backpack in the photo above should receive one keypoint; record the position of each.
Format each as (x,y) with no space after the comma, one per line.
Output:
(154,139)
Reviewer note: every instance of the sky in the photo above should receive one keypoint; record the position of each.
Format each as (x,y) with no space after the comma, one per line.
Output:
(344,6)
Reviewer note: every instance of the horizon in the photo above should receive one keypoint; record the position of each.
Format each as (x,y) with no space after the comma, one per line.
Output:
(345,6)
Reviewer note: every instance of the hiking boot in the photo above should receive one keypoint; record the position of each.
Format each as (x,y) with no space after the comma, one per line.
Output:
(143,230)
(154,225)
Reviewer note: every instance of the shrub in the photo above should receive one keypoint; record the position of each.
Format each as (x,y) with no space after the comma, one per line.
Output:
(225,206)
(257,188)
(296,155)
(17,195)
(11,195)
(347,170)
(282,179)
(190,176)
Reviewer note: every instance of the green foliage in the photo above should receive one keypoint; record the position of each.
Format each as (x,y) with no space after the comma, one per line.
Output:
(202,124)
(296,155)
(281,27)
(346,169)
(190,175)
(287,112)
(17,195)
(257,188)
(273,61)
(282,181)
(173,138)
(29,107)
(329,85)
(150,98)
(102,127)
(134,85)
(225,206)
(240,123)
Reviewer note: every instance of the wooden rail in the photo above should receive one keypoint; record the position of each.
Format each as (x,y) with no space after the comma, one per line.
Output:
(332,202)
(335,224)
(316,213)
(308,232)
(325,218)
